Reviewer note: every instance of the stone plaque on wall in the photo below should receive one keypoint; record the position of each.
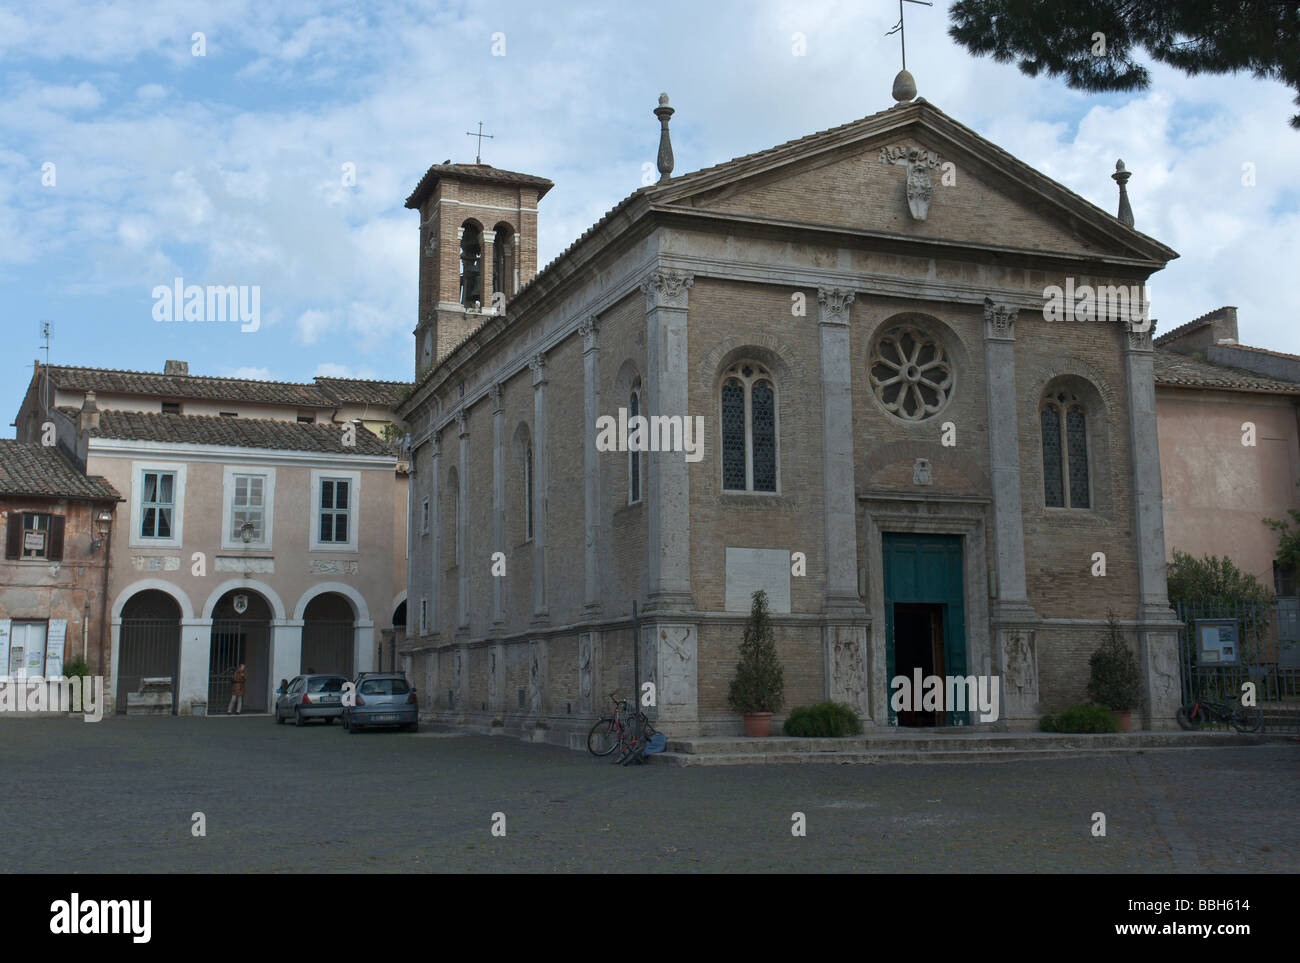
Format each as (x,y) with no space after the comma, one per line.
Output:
(750,569)
(332,566)
(234,563)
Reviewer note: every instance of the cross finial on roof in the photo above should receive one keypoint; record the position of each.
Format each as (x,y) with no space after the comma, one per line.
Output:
(904,85)
(478,153)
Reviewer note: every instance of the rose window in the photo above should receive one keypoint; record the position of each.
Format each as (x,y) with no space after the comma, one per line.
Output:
(910,373)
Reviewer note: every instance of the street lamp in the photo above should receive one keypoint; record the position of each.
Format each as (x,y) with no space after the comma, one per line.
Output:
(103,525)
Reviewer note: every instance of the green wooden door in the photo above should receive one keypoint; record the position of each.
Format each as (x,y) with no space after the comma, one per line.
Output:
(926,569)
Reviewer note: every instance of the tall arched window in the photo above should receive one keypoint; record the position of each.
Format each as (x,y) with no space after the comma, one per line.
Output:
(453,514)
(502,259)
(1063,422)
(528,492)
(634,457)
(471,269)
(748,429)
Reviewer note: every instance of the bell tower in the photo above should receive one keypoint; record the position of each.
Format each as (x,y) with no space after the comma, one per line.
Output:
(478,247)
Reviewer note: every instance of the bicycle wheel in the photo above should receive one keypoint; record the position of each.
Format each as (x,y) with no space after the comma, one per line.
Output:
(1190,717)
(603,737)
(1247,719)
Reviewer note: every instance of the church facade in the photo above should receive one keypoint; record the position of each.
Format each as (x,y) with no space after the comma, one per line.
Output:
(923,472)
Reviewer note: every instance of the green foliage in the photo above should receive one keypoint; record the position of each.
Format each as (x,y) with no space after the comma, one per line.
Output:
(1288,549)
(1213,580)
(1081,719)
(1114,678)
(1194,36)
(823,719)
(759,684)
(76,667)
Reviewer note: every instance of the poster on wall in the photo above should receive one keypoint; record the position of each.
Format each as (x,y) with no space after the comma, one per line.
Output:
(5,625)
(54,644)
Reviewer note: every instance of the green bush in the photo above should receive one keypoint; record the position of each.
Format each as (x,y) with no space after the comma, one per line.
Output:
(1081,719)
(759,685)
(823,720)
(77,666)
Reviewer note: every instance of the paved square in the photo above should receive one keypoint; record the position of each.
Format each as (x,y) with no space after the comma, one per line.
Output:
(118,797)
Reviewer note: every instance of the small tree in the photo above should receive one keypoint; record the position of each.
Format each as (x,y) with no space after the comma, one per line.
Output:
(759,685)
(1115,681)
(1288,547)
(1213,580)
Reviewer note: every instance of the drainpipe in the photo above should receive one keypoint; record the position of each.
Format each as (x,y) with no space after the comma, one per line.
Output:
(103,609)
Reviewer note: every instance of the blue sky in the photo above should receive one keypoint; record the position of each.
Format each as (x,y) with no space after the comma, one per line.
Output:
(227,168)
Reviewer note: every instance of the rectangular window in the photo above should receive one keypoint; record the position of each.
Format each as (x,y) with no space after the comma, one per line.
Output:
(228,414)
(171,407)
(157,504)
(36,536)
(424,616)
(424,517)
(306,420)
(248,508)
(335,510)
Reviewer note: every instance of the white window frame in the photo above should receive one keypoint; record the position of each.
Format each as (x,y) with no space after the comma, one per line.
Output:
(138,469)
(229,540)
(44,553)
(354,511)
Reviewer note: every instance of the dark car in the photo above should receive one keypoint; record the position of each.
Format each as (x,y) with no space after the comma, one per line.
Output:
(310,697)
(382,699)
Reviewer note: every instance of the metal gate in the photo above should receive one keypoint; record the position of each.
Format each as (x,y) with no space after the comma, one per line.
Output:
(327,646)
(1264,651)
(147,648)
(235,642)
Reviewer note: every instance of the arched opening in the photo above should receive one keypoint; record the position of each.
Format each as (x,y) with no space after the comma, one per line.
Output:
(328,631)
(149,644)
(241,635)
(471,267)
(503,250)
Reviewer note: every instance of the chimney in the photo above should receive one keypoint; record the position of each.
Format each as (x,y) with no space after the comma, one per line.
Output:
(88,417)
(176,368)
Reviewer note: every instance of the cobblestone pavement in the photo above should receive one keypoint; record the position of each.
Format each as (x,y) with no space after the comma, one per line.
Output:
(118,797)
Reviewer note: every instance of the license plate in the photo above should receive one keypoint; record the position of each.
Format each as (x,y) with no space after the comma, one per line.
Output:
(386,718)
(330,699)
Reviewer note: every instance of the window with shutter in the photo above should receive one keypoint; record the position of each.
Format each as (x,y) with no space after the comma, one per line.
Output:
(14,539)
(56,538)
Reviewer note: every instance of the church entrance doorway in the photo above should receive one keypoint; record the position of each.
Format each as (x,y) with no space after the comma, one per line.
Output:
(925,622)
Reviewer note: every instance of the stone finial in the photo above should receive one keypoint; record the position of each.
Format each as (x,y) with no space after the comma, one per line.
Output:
(1121,177)
(904,87)
(663,112)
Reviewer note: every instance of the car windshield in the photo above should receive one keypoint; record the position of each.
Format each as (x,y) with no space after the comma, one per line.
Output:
(327,684)
(384,687)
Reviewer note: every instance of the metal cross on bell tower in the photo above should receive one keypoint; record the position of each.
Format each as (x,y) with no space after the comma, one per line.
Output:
(478,153)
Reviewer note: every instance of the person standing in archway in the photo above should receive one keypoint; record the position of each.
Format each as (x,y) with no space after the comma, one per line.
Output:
(237,691)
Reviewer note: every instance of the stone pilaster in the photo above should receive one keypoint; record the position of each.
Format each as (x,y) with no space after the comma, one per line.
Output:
(1013,619)
(486,261)
(498,500)
(538,700)
(590,330)
(463,554)
(435,520)
(541,441)
(1157,623)
(589,675)
(667,388)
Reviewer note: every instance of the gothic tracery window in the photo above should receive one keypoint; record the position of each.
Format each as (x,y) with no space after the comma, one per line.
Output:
(634,457)
(1063,422)
(911,374)
(748,399)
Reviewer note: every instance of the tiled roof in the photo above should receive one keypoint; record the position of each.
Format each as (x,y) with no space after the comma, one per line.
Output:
(1192,325)
(1180,371)
(357,391)
(233,432)
(474,172)
(28,468)
(101,380)
(1268,351)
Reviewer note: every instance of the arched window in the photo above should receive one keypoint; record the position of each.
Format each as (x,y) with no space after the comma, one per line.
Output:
(453,499)
(502,259)
(528,492)
(471,269)
(634,457)
(1063,422)
(748,429)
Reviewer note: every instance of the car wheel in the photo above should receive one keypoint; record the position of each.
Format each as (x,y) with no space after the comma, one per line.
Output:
(353,728)
(329,720)
(298,720)
(414,726)
(279,719)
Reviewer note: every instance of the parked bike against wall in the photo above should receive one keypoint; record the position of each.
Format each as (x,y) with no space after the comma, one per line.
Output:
(1203,710)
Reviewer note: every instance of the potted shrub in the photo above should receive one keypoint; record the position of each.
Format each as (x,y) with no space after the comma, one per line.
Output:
(758,689)
(1114,679)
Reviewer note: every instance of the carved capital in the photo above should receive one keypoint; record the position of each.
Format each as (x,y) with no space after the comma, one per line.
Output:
(462,423)
(999,322)
(589,329)
(538,365)
(435,444)
(667,289)
(834,304)
(495,393)
(1139,339)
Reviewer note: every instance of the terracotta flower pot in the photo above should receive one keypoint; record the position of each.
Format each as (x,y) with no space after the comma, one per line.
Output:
(758,724)
(1124,717)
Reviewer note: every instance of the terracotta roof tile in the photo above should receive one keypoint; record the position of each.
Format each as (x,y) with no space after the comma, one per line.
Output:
(28,468)
(474,172)
(1180,371)
(108,380)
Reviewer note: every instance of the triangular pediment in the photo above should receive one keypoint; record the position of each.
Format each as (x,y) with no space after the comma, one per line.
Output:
(856,178)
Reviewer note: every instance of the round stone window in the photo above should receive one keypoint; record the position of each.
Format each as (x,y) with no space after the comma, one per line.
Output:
(911,374)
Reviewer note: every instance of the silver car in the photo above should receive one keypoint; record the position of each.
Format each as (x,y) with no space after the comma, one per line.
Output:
(382,699)
(310,697)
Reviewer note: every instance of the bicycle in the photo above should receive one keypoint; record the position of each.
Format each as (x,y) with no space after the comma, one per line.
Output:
(1242,718)
(635,735)
(608,732)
